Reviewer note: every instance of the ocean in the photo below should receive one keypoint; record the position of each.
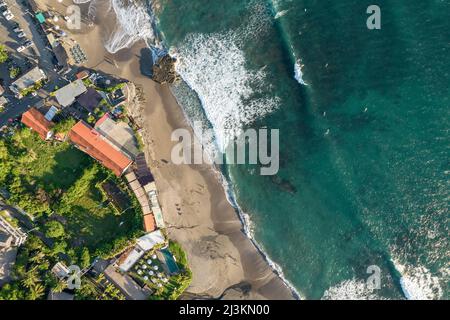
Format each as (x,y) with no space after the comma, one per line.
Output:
(363,187)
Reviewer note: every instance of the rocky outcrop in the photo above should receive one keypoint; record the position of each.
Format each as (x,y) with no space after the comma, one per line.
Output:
(164,70)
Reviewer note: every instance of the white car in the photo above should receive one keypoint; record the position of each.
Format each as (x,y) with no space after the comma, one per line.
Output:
(18,30)
(9,17)
(20,49)
(5,13)
(21,35)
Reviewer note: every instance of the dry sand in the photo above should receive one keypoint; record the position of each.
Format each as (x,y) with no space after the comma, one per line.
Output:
(224,262)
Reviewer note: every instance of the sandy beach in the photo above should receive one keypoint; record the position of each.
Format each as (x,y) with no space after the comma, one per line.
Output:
(224,262)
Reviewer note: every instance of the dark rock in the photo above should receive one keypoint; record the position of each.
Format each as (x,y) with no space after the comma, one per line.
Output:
(163,70)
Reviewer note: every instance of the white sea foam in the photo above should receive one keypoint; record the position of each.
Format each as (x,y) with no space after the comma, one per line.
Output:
(298,73)
(418,283)
(281,14)
(134,22)
(214,66)
(351,290)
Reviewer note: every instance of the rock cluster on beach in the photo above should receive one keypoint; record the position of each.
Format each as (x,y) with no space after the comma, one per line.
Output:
(163,70)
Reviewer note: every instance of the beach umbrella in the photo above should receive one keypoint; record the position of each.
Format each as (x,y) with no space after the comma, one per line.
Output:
(144,267)
(151,272)
(149,261)
(155,268)
(139,272)
(145,278)
(153,256)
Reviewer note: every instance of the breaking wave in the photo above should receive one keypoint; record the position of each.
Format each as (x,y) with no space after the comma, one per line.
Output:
(214,66)
(418,283)
(351,290)
(134,22)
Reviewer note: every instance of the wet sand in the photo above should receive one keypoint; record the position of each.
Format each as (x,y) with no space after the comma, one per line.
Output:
(224,262)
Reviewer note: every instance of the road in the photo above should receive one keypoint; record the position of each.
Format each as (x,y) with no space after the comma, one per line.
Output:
(40,55)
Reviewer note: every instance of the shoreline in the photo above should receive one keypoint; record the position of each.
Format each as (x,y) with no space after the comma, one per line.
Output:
(247,224)
(225,261)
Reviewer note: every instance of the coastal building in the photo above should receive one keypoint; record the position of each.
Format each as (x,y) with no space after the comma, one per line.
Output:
(36,121)
(149,222)
(90,141)
(90,99)
(143,244)
(119,134)
(50,114)
(60,296)
(60,270)
(10,236)
(3,101)
(66,95)
(152,193)
(27,80)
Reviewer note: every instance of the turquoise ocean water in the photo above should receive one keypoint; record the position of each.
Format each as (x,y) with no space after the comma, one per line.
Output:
(364,133)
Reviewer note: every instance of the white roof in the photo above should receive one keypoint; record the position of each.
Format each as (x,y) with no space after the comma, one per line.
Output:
(66,95)
(157,213)
(151,239)
(131,259)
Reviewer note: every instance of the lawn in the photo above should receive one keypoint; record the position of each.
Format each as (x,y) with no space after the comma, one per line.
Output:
(46,178)
(60,186)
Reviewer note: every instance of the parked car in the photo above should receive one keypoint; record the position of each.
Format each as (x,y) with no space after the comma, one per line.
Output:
(20,49)
(6,12)
(21,35)
(28,44)
(18,30)
(9,16)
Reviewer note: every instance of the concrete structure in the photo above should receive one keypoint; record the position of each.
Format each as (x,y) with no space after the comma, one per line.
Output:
(10,236)
(66,95)
(119,134)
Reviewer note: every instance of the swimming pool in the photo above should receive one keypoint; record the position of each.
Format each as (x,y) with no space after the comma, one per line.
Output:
(170,261)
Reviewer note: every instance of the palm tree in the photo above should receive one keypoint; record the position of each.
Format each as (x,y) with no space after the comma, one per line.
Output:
(60,286)
(36,291)
(31,278)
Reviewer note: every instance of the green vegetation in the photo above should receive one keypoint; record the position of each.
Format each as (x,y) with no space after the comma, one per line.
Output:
(33,261)
(4,55)
(33,88)
(14,72)
(179,282)
(60,186)
(64,126)
(98,288)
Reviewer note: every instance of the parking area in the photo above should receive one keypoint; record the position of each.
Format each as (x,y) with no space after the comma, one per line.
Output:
(27,46)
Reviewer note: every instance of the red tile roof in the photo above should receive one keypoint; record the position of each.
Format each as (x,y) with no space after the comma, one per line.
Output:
(36,121)
(93,143)
(149,223)
(102,119)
